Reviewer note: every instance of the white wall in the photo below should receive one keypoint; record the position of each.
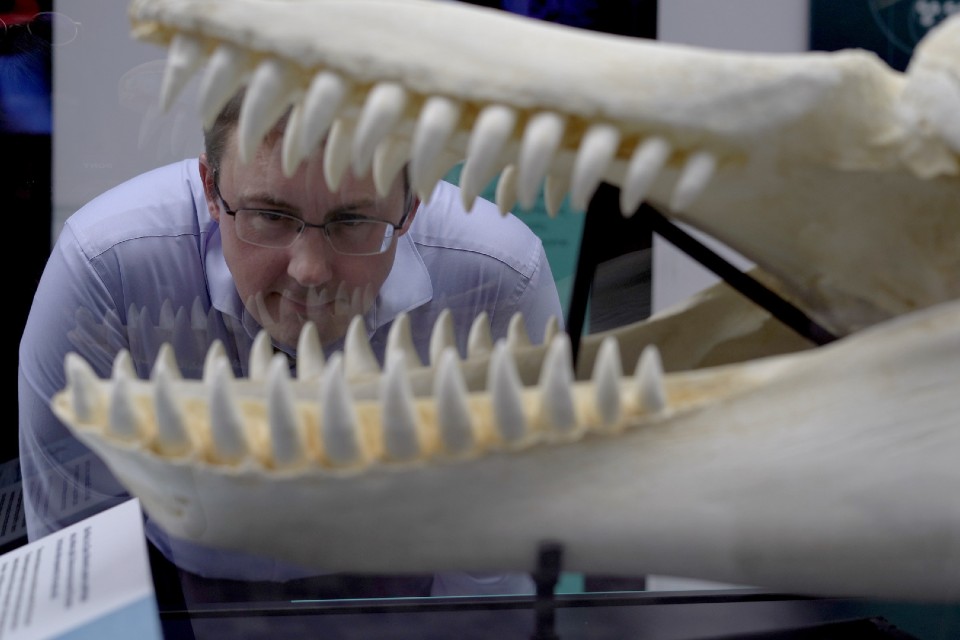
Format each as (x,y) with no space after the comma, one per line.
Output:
(744,25)
(106,86)
(105,83)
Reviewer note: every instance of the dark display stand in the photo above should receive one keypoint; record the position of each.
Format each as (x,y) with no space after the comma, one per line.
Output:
(287,610)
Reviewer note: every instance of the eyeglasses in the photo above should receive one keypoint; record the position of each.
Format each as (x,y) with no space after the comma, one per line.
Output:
(57,28)
(277,230)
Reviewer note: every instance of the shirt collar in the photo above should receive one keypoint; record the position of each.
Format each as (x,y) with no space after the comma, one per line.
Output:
(407,287)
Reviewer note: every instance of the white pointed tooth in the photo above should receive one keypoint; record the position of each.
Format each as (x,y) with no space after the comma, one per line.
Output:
(342,301)
(198,317)
(554,191)
(311,118)
(148,335)
(135,342)
(517,336)
(597,150)
(84,388)
(556,386)
(291,154)
(182,337)
(113,327)
(285,440)
(356,301)
(401,437)
(167,315)
(388,160)
(212,317)
(453,411)
(323,100)
(649,392)
(183,60)
(400,343)
(309,353)
(381,112)
(167,362)
(492,131)
(216,354)
(223,76)
(694,179)
(645,165)
(551,329)
(133,317)
(123,365)
(226,421)
(336,153)
(150,124)
(172,437)
(442,336)
(506,193)
(479,339)
(266,99)
(266,318)
(359,359)
(338,418)
(541,139)
(123,419)
(436,124)
(503,383)
(607,376)
(261,352)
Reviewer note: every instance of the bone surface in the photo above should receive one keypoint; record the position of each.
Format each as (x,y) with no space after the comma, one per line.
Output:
(775,489)
(764,152)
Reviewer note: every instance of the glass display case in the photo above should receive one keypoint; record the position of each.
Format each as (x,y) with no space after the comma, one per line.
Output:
(79,100)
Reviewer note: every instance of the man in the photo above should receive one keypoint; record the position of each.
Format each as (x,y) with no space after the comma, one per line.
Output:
(218,249)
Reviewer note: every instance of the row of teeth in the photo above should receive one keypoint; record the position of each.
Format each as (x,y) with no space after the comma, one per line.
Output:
(316,420)
(383,126)
(186,331)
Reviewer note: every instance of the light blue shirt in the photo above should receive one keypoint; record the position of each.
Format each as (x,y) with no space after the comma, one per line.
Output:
(140,264)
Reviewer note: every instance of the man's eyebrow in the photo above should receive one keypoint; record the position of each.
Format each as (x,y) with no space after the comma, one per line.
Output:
(270,201)
(267,200)
(348,208)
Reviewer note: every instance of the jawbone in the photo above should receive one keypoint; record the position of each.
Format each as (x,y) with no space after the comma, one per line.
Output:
(829,470)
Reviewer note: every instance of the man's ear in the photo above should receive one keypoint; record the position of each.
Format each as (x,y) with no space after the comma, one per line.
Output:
(209,187)
(414,206)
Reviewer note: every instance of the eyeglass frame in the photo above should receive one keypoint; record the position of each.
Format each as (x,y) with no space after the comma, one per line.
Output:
(52,15)
(408,208)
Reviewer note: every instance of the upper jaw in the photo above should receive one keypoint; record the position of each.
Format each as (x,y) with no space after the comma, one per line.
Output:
(818,167)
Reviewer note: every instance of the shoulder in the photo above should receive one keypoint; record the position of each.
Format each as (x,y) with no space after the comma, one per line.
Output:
(482,233)
(164,202)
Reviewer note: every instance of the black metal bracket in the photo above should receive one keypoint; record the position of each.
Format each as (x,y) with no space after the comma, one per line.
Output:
(604,233)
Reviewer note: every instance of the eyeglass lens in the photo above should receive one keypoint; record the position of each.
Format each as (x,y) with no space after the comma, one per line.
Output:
(351,237)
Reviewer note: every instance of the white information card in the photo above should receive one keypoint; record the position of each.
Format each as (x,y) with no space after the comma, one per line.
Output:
(89,580)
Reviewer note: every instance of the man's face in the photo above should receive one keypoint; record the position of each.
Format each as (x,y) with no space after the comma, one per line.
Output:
(285,287)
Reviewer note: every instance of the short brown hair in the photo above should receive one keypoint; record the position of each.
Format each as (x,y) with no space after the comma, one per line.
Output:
(216,135)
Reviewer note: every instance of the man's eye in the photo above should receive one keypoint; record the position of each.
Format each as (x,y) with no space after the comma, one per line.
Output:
(352,223)
(272,216)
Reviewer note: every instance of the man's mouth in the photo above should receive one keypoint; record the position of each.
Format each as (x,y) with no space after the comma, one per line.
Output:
(311,302)
(342,301)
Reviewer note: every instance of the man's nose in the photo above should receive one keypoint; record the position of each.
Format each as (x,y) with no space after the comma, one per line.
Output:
(310,257)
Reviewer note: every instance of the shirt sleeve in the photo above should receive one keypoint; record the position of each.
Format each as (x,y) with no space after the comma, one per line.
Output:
(63,481)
